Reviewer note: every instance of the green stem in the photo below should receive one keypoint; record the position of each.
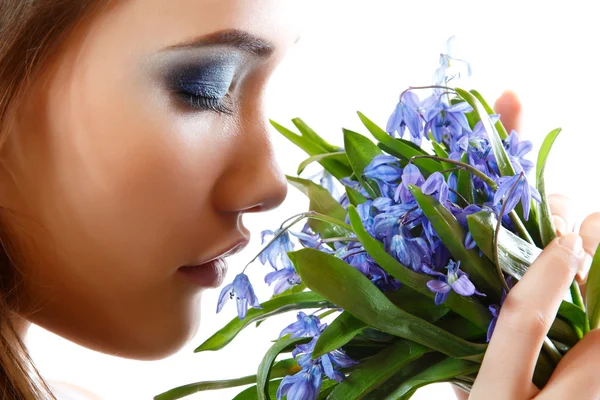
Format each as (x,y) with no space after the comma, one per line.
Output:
(300,217)
(520,227)
(339,239)
(578,301)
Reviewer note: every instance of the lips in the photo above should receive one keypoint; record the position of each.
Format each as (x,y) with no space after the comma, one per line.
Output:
(228,251)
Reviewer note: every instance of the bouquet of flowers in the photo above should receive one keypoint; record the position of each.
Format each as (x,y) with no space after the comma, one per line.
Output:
(413,260)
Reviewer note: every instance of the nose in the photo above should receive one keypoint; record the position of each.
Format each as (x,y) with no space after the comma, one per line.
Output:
(253,180)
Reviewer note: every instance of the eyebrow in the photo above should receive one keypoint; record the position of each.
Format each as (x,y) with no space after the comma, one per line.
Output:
(235,38)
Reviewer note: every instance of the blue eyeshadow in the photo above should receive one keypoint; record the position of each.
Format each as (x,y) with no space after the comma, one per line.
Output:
(209,79)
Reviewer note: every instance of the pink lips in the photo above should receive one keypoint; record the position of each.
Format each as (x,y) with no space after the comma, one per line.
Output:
(208,275)
(211,273)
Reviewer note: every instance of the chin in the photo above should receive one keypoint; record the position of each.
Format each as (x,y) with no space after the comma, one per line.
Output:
(158,344)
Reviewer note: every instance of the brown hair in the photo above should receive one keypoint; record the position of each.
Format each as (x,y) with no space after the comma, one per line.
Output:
(30,30)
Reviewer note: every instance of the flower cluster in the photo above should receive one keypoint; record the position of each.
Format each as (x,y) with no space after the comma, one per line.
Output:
(306,383)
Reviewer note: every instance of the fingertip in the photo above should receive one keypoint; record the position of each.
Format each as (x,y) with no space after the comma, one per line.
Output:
(572,242)
(560,225)
(509,107)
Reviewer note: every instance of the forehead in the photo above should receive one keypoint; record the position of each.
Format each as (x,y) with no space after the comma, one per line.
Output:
(156,24)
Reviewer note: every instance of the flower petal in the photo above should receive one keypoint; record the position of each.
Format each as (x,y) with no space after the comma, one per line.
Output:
(222,297)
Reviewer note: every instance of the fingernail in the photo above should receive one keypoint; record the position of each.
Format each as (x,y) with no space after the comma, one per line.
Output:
(560,224)
(573,242)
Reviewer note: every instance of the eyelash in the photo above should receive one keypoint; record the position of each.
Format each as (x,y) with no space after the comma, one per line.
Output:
(221,106)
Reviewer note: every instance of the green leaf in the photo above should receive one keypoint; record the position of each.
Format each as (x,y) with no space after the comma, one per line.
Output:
(264,369)
(401,148)
(565,331)
(188,390)
(515,255)
(376,370)
(481,272)
(361,151)
(465,183)
(336,168)
(460,327)
(354,196)
(442,371)
(441,152)
(464,306)
(499,126)
(294,289)
(416,304)
(343,329)
(504,165)
(276,306)
(280,369)
(326,388)
(337,156)
(324,273)
(409,370)
(592,292)
(547,229)
(322,202)
(251,393)
(309,133)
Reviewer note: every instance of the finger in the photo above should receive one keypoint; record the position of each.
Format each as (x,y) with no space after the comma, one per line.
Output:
(460,394)
(576,376)
(590,233)
(563,213)
(509,108)
(524,320)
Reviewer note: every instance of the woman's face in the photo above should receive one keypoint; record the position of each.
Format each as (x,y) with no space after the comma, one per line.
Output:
(135,154)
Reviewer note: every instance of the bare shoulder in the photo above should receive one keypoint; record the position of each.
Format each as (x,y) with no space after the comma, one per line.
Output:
(69,391)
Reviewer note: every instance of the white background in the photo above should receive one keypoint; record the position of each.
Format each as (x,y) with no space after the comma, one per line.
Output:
(358,55)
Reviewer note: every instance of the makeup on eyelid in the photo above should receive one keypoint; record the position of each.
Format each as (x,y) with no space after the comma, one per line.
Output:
(212,79)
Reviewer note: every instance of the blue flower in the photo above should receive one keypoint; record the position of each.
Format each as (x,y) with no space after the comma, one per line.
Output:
(456,280)
(410,252)
(326,363)
(450,67)
(242,289)
(522,191)
(517,150)
(277,249)
(307,325)
(446,121)
(462,219)
(304,385)
(385,170)
(406,115)
(308,238)
(495,309)
(436,186)
(285,277)
(387,223)
(367,212)
(410,176)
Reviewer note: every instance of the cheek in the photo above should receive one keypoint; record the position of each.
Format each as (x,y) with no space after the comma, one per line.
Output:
(139,177)
(123,193)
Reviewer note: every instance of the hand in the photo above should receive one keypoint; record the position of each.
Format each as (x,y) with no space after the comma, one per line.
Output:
(504,378)
(524,321)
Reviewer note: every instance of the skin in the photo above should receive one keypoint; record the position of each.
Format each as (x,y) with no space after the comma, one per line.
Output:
(115,182)
(532,305)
